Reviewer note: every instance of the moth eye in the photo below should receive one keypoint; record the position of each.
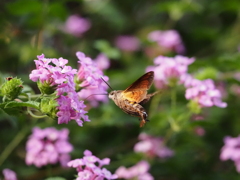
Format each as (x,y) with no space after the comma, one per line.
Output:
(111,93)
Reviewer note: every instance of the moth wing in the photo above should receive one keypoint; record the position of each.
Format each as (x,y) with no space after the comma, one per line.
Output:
(137,91)
(134,96)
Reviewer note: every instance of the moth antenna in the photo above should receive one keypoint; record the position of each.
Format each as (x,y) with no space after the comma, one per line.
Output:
(107,83)
(94,94)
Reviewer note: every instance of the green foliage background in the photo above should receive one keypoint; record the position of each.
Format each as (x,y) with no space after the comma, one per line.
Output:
(210,31)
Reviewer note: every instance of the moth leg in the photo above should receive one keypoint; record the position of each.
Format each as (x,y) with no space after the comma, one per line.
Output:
(147,98)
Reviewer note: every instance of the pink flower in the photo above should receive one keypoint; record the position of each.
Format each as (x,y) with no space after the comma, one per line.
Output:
(231,150)
(205,93)
(76,25)
(139,171)
(9,174)
(199,131)
(152,146)
(48,146)
(169,70)
(102,61)
(87,168)
(169,39)
(89,77)
(54,75)
(127,43)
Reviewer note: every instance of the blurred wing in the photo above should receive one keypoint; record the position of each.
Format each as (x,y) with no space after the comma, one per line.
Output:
(138,90)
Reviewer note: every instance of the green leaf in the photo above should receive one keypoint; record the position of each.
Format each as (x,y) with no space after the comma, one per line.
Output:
(32,104)
(106,48)
(57,9)
(6,116)
(24,7)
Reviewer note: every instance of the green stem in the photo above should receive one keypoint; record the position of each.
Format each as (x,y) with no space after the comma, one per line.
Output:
(35,116)
(32,97)
(173,99)
(154,103)
(11,146)
(49,170)
(174,126)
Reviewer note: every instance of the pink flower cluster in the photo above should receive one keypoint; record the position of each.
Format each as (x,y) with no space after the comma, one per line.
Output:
(169,39)
(48,146)
(9,174)
(76,25)
(88,170)
(89,75)
(54,73)
(152,146)
(231,150)
(127,43)
(169,70)
(204,92)
(139,171)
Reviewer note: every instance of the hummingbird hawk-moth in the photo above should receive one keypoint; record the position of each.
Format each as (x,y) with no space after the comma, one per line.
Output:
(131,99)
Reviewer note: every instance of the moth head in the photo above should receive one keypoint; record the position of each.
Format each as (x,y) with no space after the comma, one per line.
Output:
(112,94)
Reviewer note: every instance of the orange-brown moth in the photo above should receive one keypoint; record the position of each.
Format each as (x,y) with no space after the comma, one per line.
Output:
(130,99)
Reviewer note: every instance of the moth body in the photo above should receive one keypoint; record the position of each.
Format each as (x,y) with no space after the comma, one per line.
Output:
(130,99)
(131,108)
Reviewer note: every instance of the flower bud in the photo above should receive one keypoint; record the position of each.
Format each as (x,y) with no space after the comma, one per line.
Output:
(46,88)
(11,88)
(48,106)
(194,106)
(77,84)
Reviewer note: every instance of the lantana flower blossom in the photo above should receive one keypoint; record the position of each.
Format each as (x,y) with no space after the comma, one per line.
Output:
(48,146)
(90,167)
(76,25)
(55,75)
(231,150)
(127,43)
(138,171)
(169,39)
(205,93)
(169,70)
(89,75)
(152,146)
(9,174)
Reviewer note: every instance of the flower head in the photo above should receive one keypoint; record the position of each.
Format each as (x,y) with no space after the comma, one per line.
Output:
(139,171)
(204,93)
(152,146)
(89,77)
(9,174)
(231,150)
(87,167)
(169,70)
(48,146)
(169,39)
(54,75)
(76,25)
(127,43)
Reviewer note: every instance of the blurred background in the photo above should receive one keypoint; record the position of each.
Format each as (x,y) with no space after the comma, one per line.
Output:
(209,31)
